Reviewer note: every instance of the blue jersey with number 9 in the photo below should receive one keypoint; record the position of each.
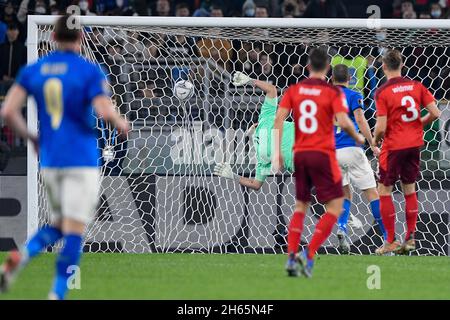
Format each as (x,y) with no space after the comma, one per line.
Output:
(64,85)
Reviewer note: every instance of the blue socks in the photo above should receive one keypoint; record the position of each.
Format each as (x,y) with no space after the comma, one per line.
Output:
(343,218)
(375,208)
(68,257)
(45,237)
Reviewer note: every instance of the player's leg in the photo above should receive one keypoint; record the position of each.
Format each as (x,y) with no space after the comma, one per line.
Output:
(389,170)
(303,195)
(362,177)
(344,245)
(80,195)
(373,198)
(296,226)
(411,213)
(344,158)
(44,236)
(326,177)
(68,257)
(408,177)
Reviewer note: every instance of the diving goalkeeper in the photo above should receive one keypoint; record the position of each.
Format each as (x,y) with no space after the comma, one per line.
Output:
(262,135)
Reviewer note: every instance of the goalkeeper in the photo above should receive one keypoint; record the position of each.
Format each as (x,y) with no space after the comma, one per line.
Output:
(263,136)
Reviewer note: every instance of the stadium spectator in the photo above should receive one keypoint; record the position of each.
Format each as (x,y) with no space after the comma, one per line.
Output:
(13,54)
(409,15)
(425,15)
(261,10)
(201,12)
(325,9)
(293,9)
(55,9)
(216,11)
(33,7)
(85,8)
(217,49)
(356,63)
(182,10)
(8,15)
(248,8)
(436,10)
(162,8)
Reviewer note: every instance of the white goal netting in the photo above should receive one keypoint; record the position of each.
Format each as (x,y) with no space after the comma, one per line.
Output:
(158,192)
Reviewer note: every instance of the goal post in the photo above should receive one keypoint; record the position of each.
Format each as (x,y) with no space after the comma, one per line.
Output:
(158,193)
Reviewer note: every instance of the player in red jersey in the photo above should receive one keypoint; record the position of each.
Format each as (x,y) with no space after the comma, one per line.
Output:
(315,105)
(400,126)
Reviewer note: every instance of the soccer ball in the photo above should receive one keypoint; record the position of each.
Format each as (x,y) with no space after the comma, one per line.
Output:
(183,90)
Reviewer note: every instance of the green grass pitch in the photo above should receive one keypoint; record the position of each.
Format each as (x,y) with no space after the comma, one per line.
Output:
(236,276)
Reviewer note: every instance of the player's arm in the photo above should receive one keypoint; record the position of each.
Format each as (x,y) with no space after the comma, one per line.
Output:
(365,129)
(346,124)
(380,129)
(433,113)
(224,170)
(381,124)
(278,160)
(105,109)
(241,79)
(11,112)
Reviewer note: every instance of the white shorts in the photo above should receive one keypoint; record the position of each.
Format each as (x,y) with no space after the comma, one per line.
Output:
(355,168)
(72,193)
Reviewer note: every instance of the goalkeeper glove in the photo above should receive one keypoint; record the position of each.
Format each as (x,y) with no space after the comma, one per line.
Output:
(224,170)
(241,79)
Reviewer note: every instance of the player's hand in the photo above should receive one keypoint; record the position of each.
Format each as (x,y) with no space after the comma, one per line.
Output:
(250,131)
(360,139)
(240,79)
(223,170)
(122,126)
(278,163)
(375,142)
(376,151)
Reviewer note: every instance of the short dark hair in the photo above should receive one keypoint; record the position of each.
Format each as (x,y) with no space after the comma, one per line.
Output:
(392,59)
(340,73)
(13,26)
(67,30)
(318,59)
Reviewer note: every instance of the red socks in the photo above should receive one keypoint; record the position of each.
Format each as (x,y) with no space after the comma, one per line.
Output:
(387,211)
(295,231)
(322,232)
(411,210)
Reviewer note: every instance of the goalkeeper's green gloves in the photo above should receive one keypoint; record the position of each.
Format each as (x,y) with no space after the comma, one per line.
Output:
(241,79)
(224,170)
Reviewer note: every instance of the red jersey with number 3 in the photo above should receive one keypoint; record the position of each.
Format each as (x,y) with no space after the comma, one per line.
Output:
(314,103)
(400,100)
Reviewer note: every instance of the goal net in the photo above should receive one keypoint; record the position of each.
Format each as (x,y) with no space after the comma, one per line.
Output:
(158,192)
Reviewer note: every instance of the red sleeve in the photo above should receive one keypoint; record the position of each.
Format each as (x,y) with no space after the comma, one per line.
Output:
(426,96)
(286,101)
(339,102)
(380,105)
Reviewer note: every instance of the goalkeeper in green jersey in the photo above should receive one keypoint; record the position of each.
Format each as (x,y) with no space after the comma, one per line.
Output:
(263,137)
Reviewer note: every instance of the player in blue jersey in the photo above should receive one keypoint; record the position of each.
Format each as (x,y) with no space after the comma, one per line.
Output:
(68,91)
(351,158)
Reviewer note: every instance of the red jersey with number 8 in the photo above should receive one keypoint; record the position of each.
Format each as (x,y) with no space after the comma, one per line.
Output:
(400,100)
(314,103)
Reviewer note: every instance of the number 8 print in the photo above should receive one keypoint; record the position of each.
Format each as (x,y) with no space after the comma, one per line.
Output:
(306,114)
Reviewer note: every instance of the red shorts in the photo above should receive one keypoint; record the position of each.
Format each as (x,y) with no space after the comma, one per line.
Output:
(403,164)
(318,169)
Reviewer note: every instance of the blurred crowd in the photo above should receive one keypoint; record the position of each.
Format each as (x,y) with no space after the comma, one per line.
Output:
(13,15)
(281,64)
